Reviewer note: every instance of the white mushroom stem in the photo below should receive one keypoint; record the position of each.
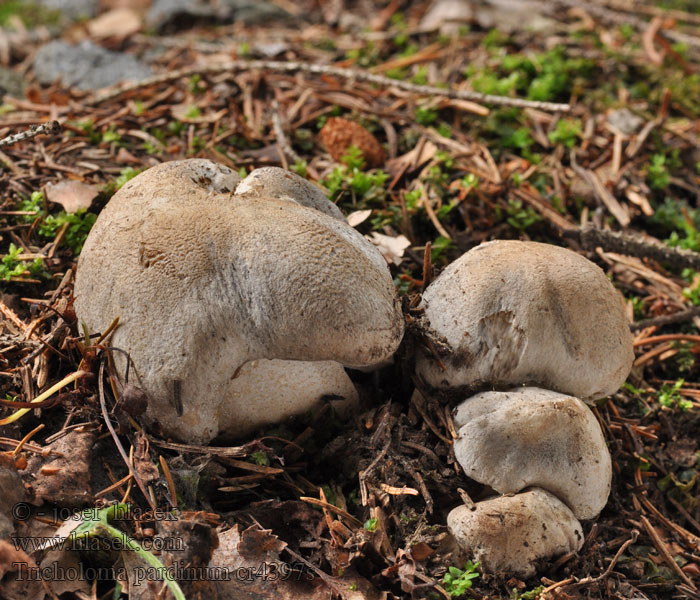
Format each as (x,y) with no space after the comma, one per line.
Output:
(269,391)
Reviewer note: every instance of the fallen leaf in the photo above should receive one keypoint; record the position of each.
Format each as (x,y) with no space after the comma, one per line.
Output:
(421,551)
(117,23)
(447,16)
(357,217)
(70,485)
(64,561)
(423,151)
(126,157)
(392,248)
(10,558)
(72,195)
(143,465)
(27,586)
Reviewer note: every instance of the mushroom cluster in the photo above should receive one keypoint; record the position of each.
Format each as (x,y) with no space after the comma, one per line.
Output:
(526,314)
(239,302)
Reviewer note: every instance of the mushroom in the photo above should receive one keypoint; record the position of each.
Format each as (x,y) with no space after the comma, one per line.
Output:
(512,533)
(273,182)
(533,437)
(513,313)
(205,280)
(526,313)
(278,389)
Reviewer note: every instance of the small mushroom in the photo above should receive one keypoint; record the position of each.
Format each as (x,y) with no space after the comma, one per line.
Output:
(532,437)
(512,533)
(526,313)
(204,280)
(273,182)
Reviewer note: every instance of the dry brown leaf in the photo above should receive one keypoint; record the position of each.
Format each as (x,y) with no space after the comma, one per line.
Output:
(18,575)
(72,195)
(118,23)
(70,485)
(60,561)
(143,465)
(423,152)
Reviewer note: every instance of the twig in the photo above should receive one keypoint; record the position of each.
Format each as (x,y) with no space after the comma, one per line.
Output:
(590,238)
(118,444)
(605,574)
(43,396)
(601,192)
(12,317)
(48,128)
(612,16)
(427,267)
(114,486)
(352,74)
(669,337)
(26,438)
(282,140)
(339,511)
(664,551)
(688,517)
(678,317)
(362,475)
(211,450)
(169,480)
(425,202)
(327,579)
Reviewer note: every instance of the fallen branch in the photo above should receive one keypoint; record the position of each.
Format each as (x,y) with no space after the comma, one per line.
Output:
(678,317)
(48,128)
(351,74)
(282,142)
(604,575)
(665,552)
(590,237)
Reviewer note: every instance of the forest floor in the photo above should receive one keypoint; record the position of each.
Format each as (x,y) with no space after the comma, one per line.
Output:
(608,136)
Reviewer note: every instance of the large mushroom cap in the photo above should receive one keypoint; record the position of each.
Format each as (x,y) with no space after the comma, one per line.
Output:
(527,313)
(204,280)
(533,437)
(511,533)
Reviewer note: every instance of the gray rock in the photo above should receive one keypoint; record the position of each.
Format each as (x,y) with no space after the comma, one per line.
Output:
(255,11)
(625,121)
(164,12)
(86,66)
(510,16)
(73,9)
